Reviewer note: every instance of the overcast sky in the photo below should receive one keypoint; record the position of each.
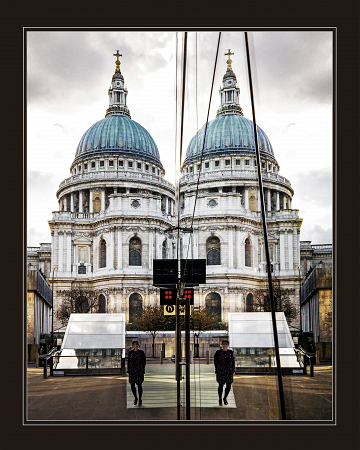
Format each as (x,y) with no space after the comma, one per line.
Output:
(69,73)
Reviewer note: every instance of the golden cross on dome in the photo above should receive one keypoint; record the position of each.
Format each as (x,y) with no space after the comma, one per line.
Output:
(228,54)
(117,62)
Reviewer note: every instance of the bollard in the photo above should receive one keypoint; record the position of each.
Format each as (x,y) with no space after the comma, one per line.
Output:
(191,357)
(45,367)
(161,357)
(37,360)
(51,366)
(318,358)
(207,357)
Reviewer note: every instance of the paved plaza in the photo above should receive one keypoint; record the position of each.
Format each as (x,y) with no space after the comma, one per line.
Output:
(109,398)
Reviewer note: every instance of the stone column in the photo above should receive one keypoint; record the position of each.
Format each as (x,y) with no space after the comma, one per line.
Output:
(196,244)
(284,202)
(268,200)
(61,251)
(230,248)
(119,248)
(95,244)
(112,248)
(91,206)
(277,201)
(246,198)
(72,202)
(156,255)
(151,248)
(103,200)
(282,250)
(290,249)
(80,201)
(290,203)
(259,201)
(65,203)
(68,252)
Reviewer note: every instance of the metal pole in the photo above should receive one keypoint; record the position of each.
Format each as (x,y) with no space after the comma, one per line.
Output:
(300,307)
(187,351)
(52,308)
(272,303)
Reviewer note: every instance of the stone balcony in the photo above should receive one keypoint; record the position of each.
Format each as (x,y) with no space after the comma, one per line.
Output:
(229,174)
(113,175)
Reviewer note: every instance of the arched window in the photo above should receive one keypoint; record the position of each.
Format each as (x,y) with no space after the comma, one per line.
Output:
(249,303)
(213,257)
(135,304)
(102,304)
(248,251)
(135,252)
(213,303)
(164,250)
(102,253)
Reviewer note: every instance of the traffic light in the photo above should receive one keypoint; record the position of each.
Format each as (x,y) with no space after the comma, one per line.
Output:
(167,296)
(189,293)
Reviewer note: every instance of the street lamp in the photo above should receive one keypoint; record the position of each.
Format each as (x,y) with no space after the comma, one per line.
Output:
(299,268)
(52,307)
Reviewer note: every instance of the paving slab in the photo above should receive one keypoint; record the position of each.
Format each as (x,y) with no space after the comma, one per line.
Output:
(108,398)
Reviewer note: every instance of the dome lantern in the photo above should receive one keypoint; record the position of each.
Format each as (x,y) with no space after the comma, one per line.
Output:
(229,92)
(117,92)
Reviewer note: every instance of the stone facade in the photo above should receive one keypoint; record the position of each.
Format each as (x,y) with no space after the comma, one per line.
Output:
(116,205)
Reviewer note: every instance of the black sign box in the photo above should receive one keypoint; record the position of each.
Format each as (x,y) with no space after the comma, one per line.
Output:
(165,272)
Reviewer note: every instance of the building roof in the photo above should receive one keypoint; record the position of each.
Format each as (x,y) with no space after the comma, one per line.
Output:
(231,133)
(117,135)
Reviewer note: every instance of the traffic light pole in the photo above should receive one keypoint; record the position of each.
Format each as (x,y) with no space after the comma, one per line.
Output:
(187,352)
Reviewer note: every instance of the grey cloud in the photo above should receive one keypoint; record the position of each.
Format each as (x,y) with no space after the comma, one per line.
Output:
(315,185)
(41,182)
(295,65)
(317,235)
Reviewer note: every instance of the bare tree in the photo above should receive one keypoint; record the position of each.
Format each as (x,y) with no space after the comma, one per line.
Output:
(282,301)
(78,299)
(152,320)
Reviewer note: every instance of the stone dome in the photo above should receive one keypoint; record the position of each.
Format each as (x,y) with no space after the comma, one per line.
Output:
(117,135)
(230,133)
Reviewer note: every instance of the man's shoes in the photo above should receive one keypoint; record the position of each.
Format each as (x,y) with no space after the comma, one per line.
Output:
(140,402)
(225,401)
(220,402)
(135,401)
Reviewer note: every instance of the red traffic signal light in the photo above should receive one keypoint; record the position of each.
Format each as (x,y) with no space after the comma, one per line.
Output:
(167,296)
(189,294)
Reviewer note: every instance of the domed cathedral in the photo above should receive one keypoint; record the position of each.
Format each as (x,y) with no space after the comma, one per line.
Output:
(113,211)
(227,222)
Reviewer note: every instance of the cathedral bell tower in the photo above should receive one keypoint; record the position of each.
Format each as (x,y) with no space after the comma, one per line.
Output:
(229,92)
(117,93)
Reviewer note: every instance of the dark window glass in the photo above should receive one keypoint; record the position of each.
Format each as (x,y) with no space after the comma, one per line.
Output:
(130,164)
(93,165)
(85,166)
(248,253)
(213,251)
(102,304)
(101,163)
(213,303)
(164,250)
(249,303)
(121,163)
(217,163)
(153,169)
(135,252)
(135,305)
(139,165)
(146,167)
(82,269)
(247,162)
(227,162)
(111,163)
(206,165)
(238,162)
(102,262)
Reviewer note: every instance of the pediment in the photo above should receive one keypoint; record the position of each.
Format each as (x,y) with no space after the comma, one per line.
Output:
(82,240)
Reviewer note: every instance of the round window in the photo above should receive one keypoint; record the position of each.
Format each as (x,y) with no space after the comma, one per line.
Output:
(135,203)
(212,203)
